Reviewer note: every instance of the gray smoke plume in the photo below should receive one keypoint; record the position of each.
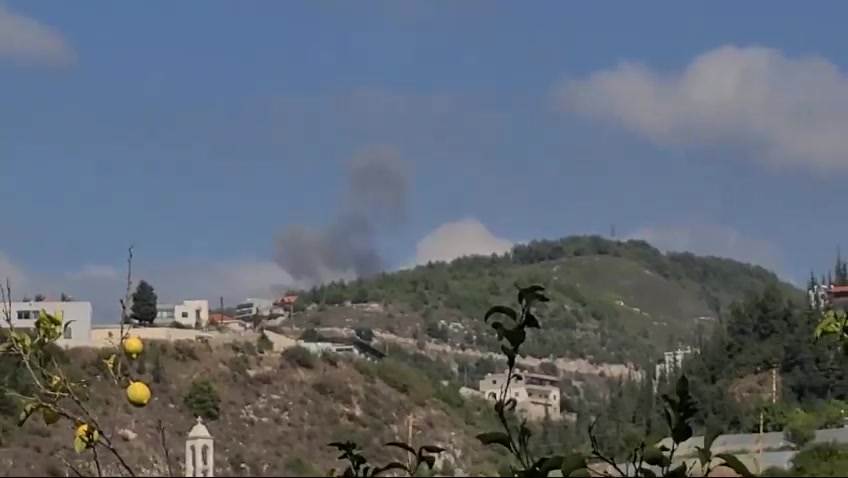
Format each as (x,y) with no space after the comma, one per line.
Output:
(375,200)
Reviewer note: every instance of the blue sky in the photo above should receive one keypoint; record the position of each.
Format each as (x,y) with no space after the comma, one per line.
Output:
(199,130)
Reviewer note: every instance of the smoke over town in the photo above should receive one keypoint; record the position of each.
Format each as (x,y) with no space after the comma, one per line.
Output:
(374,202)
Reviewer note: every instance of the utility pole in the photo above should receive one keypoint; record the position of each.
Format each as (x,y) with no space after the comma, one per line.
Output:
(409,422)
(760,447)
(774,385)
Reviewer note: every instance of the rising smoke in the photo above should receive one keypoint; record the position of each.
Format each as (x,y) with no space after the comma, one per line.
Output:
(374,202)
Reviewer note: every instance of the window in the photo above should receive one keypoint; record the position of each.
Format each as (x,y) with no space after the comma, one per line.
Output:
(27,314)
(185,315)
(68,333)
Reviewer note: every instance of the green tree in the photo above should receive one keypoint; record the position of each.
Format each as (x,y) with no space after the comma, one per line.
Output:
(801,429)
(144,303)
(202,400)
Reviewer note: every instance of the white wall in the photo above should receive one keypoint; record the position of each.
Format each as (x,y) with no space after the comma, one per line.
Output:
(191,311)
(79,330)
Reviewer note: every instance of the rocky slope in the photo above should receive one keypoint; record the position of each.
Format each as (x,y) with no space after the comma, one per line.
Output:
(277,413)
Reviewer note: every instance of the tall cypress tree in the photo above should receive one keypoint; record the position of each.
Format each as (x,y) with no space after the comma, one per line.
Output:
(144,303)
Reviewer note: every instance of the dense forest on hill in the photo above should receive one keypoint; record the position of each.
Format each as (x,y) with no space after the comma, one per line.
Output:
(732,378)
(613,301)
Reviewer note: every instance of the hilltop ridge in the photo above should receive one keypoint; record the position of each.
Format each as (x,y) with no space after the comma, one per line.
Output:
(613,301)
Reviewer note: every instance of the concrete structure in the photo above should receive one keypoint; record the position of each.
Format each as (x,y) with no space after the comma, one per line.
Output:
(537,395)
(251,307)
(77,314)
(670,362)
(199,451)
(191,313)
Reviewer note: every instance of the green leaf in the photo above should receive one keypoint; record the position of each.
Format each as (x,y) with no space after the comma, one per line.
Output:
(342,446)
(732,462)
(402,446)
(79,445)
(432,449)
(654,457)
(704,456)
(510,356)
(682,389)
(528,295)
(580,472)
(429,460)
(389,467)
(681,432)
(515,336)
(503,310)
(27,412)
(677,472)
(830,325)
(531,321)
(495,438)
(499,328)
(710,436)
(647,473)
(572,463)
(549,464)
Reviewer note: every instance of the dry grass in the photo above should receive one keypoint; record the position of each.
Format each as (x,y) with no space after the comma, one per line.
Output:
(277,413)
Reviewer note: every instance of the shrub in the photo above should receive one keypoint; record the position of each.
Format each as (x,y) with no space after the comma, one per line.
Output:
(299,357)
(202,400)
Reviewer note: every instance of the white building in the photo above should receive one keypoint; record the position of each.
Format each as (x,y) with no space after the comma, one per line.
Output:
(77,314)
(191,313)
(537,395)
(250,307)
(671,362)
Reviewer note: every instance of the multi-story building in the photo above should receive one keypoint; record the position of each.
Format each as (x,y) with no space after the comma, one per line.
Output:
(671,362)
(76,314)
(536,395)
(191,313)
(252,307)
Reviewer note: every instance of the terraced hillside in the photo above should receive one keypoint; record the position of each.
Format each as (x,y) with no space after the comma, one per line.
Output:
(270,414)
(613,301)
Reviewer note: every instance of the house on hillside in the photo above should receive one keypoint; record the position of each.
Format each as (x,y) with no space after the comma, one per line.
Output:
(317,343)
(537,395)
(190,314)
(76,314)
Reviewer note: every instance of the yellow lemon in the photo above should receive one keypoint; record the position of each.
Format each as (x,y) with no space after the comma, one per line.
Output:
(82,430)
(84,433)
(133,346)
(49,415)
(138,394)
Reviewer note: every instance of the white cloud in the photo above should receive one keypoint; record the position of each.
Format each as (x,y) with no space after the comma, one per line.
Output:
(790,110)
(712,240)
(11,271)
(461,238)
(29,41)
(94,271)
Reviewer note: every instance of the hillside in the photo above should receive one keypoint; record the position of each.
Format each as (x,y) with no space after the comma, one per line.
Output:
(277,412)
(613,301)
